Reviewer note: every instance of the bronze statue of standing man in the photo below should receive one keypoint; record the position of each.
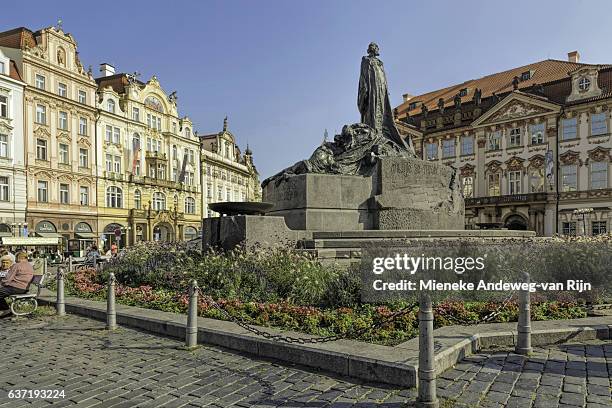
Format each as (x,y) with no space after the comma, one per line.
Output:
(373,99)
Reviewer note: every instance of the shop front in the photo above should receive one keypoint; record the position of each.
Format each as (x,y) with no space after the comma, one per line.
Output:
(84,237)
(114,234)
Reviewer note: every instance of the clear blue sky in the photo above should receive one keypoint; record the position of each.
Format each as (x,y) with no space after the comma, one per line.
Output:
(283,71)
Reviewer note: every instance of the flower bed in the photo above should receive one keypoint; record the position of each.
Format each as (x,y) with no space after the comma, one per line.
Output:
(364,322)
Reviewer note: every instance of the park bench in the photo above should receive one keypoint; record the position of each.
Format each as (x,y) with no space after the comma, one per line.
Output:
(26,303)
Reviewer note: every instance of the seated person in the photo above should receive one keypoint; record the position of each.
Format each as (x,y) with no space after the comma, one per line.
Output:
(16,281)
(5,264)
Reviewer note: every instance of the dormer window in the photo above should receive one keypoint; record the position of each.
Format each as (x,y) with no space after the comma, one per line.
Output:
(584,84)
(412,106)
(525,76)
(110,106)
(463,92)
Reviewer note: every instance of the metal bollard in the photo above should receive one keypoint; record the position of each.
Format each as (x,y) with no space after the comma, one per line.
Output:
(427,368)
(191,334)
(523,342)
(111,316)
(60,304)
(45,266)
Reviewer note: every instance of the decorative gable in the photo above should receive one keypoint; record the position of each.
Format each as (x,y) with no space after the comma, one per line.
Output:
(515,163)
(584,83)
(517,105)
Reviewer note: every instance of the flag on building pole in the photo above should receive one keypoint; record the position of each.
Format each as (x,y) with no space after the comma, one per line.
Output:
(136,150)
(183,169)
(549,166)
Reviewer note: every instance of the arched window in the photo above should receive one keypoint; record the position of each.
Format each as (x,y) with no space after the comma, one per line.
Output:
(110,106)
(159,201)
(114,197)
(137,199)
(187,132)
(190,205)
(190,233)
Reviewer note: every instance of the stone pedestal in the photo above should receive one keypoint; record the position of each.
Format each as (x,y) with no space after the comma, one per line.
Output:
(400,194)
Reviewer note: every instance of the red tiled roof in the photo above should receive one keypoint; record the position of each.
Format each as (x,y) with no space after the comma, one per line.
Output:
(14,71)
(19,38)
(543,72)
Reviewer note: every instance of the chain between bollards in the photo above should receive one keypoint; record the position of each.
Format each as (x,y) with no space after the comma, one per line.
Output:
(191,332)
(427,368)
(111,316)
(60,304)
(523,342)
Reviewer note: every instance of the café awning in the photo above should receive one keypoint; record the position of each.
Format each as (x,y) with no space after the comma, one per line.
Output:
(85,235)
(48,235)
(30,241)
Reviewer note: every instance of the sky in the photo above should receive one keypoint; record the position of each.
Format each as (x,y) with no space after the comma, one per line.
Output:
(283,71)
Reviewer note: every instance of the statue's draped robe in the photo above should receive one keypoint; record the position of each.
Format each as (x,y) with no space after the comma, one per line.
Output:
(373,100)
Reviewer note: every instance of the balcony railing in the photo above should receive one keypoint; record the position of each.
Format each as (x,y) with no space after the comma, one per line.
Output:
(513,198)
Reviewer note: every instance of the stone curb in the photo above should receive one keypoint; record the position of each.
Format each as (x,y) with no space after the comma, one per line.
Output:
(370,362)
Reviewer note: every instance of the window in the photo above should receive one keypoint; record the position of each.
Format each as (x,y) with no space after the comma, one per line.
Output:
(448,148)
(40,81)
(63,120)
(114,197)
(41,114)
(584,83)
(220,194)
(149,144)
(228,195)
(467,145)
(432,151)
(3,106)
(514,182)
(109,163)
(109,133)
(569,180)
(84,195)
(161,171)
(187,132)
(525,76)
(159,201)
(117,168)
(599,175)
(41,149)
(83,158)
(137,168)
(227,150)
(174,175)
(63,153)
(494,184)
(2,67)
(515,137)
(537,133)
(151,171)
(463,92)
(62,90)
(116,135)
(174,127)
(4,148)
(494,140)
(64,194)
(468,187)
(158,123)
(174,152)
(598,124)
(536,180)
(209,190)
(570,129)
(136,114)
(110,106)
(137,199)
(82,97)
(191,154)
(42,191)
(189,205)
(189,178)
(569,228)
(4,188)
(83,126)
(599,227)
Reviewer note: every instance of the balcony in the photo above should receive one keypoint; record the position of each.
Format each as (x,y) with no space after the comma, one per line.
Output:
(111,175)
(506,199)
(155,155)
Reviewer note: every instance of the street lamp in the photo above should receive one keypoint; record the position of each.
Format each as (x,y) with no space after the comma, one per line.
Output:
(583,212)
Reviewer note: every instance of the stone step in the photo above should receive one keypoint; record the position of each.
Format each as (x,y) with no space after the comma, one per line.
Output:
(385,234)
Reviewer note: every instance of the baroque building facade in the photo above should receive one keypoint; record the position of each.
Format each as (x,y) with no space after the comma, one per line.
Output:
(227,174)
(531,144)
(148,167)
(12,154)
(59,133)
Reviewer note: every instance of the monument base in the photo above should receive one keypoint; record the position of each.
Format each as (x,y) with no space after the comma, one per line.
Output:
(400,194)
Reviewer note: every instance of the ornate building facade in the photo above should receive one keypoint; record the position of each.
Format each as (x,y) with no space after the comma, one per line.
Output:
(532,144)
(148,167)
(227,174)
(59,132)
(12,153)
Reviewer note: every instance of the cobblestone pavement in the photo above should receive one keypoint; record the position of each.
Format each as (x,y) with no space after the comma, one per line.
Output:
(573,375)
(128,368)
